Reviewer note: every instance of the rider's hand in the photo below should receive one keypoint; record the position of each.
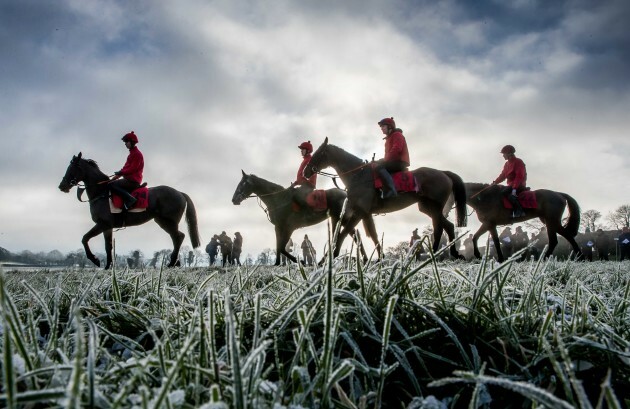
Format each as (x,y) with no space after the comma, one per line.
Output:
(513,192)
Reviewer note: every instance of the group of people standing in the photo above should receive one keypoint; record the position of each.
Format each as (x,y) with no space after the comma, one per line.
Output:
(230,249)
(308,251)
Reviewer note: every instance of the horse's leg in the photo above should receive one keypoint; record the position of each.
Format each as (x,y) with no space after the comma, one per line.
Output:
(497,244)
(553,239)
(370,228)
(93,232)
(108,236)
(282,238)
(171,227)
(450,232)
(576,249)
(347,227)
(482,230)
(435,214)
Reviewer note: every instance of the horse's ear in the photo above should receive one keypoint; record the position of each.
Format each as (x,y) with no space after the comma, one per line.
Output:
(325,142)
(243,173)
(79,155)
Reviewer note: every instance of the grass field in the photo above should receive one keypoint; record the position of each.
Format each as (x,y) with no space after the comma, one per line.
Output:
(392,334)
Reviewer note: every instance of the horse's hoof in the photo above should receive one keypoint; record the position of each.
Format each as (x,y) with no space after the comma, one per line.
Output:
(96,262)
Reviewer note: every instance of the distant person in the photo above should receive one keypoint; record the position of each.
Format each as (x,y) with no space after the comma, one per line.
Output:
(415,238)
(289,249)
(191,258)
(302,186)
(624,244)
(516,175)
(469,248)
(586,244)
(396,157)
(603,243)
(129,178)
(226,248)
(520,241)
(307,251)
(212,248)
(506,239)
(237,248)
(542,240)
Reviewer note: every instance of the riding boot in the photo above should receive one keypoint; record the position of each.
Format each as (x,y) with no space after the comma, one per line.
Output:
(518,209)
(128,199)
(389,190)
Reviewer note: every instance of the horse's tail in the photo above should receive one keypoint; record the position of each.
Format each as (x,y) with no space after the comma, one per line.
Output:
(573,224)
(191,220)
(459,193)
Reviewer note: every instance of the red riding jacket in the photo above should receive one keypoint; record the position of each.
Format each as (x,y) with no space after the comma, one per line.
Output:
(133,166)
(396,147)
(301,180)
(515,173)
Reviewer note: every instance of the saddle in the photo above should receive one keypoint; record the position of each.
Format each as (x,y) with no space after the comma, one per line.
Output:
(404,181)
(142,200)
(316,200)
(526,198)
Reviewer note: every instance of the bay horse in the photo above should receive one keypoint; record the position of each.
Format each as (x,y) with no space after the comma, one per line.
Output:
(280,211)
(166,207)
(436,187)
(487,201)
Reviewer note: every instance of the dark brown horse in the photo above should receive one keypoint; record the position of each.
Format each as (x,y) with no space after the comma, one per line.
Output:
(436,186)
(166,206)
(280,211)
(488,203)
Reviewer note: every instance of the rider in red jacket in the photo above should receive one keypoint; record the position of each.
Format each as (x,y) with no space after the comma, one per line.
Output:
(396,155)
(302,185)
(516,175)
(129,177)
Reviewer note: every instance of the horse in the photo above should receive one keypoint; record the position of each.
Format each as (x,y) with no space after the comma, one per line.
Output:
(436,187)
(166,206)
(280,211)
(487,201)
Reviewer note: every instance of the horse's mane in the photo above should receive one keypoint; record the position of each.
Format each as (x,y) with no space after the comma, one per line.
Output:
(335,147)
(271,184)
(92,163)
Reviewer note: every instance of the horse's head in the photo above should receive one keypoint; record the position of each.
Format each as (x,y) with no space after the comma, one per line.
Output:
(319,160)
(243,190)
(74,174)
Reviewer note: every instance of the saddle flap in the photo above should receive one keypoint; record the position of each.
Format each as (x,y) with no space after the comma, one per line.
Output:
(526,198)
(403,181)
(317,200)
(141,194)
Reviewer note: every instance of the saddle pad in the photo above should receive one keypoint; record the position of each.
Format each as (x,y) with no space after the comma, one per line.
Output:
(527,199)
(317,200)
(403,181)
(141,194)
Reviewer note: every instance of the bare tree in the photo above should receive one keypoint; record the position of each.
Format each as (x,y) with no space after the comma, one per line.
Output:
(589,218)
(620,217)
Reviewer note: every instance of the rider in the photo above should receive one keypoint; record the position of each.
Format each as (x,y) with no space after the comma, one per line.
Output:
(396,155)
(302,185)
(130,176)
(516,175)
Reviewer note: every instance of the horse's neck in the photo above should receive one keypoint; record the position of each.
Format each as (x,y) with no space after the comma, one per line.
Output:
(268,192)
(93,181)
(343,162)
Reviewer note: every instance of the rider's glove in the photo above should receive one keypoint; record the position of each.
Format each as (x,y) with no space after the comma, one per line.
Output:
(513,192)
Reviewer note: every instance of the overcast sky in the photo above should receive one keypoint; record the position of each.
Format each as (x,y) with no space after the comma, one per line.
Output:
(213,87)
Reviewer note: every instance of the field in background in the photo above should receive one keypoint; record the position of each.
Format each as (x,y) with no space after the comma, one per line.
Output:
(389,334)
